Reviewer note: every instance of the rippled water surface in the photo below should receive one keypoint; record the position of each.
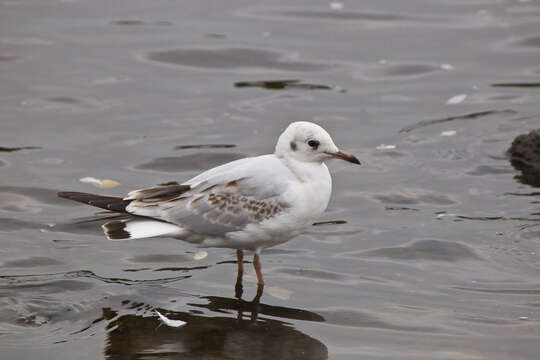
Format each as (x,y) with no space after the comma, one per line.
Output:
(429,250)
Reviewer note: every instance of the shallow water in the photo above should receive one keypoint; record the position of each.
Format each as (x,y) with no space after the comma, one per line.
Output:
(429,250)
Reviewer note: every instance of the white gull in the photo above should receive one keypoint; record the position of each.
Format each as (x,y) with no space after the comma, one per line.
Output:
(247,204)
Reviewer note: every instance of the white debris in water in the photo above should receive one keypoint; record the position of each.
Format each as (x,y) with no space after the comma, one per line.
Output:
(102,184)
(382,62)
(169,322)
(90,180)
(52,161)
(449,133)
(279,293)
(385,147)
(456,99)
(445,215)
(336,6)
(523,318)
(199,255)
(109,80)
(447,67)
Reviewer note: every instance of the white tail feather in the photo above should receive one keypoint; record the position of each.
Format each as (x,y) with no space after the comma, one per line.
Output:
(138,229)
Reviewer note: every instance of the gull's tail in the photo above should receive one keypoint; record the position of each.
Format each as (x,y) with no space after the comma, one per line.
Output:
(139,229)
(111,203)
(134,228)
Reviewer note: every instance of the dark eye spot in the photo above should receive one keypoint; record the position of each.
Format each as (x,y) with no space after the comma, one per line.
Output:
(314,144)
(293,146)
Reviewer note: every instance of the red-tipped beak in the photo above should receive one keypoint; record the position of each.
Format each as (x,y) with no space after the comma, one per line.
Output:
(346,156)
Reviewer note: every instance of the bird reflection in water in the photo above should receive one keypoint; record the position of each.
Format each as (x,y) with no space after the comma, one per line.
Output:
(261,335)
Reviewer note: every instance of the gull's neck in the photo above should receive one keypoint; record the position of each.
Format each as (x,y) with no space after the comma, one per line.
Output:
(305,171)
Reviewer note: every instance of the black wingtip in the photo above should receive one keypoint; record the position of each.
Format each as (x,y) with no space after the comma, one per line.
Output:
(64,194)
(110,203)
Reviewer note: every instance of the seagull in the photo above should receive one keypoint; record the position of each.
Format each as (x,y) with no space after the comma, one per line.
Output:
(247,204)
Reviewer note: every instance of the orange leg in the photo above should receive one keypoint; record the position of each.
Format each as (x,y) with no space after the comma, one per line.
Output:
(257,266)
(240,262)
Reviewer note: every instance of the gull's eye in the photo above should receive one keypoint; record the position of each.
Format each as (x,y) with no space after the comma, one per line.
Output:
(314,144)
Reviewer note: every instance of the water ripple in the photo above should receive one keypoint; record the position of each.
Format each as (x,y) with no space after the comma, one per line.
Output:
(188,162)
(234,59)
(432,250)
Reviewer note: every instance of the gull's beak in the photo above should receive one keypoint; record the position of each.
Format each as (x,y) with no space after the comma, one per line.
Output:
(346,156)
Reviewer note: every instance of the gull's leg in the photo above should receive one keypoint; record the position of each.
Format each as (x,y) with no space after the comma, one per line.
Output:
(255,302)
(240,262)
(238,289)
(257,266)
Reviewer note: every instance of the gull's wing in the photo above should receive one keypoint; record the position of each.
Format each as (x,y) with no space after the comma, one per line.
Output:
(156,193)
(223,199)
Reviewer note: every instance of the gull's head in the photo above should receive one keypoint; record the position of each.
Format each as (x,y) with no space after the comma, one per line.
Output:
(308,142)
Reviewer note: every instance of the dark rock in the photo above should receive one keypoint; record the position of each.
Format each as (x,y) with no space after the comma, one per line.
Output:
(525,157)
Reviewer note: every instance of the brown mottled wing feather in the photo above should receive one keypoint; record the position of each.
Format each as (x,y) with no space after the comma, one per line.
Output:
(111,203)
(229,206)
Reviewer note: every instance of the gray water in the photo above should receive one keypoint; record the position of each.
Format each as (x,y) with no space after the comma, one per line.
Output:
(432,250)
